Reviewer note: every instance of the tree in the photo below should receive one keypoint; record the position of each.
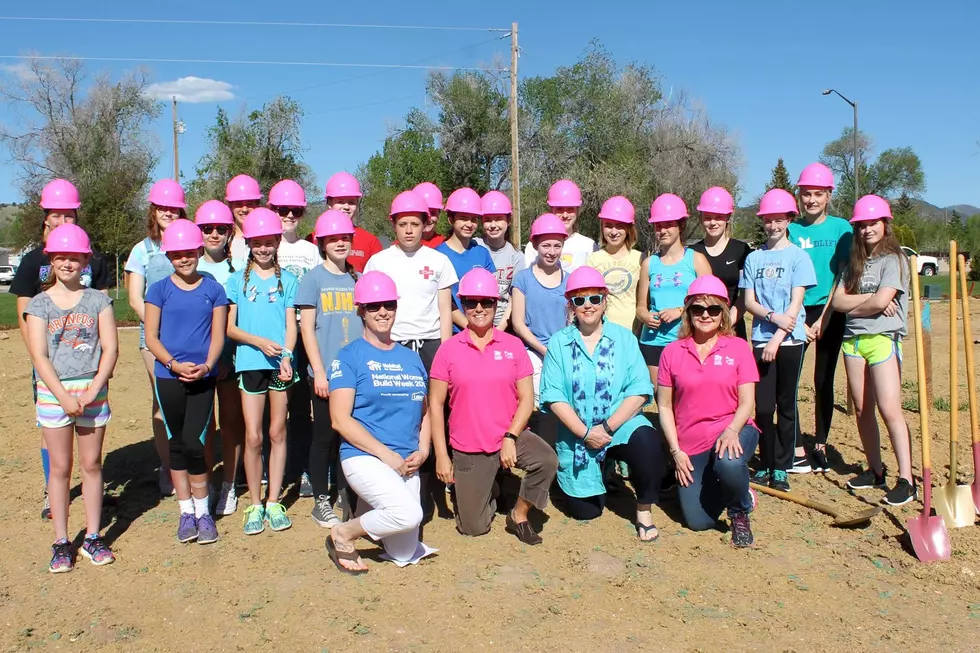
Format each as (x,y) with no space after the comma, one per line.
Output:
(780,179)
(907,224)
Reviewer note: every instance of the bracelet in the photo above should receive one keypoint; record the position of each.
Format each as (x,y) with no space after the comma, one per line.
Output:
(769,316)
(209,367)
(286,353)
(605,425)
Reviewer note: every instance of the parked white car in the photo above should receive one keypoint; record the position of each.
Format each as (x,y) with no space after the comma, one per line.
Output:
(928,265)
(6,275)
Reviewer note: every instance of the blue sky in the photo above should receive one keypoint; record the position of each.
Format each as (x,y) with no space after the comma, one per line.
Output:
(758,67)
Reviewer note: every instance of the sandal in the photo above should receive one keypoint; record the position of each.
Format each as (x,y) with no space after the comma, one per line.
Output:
(336,556)
(642,530)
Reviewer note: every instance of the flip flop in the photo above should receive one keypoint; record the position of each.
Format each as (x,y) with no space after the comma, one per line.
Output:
(642,530)
(336,556)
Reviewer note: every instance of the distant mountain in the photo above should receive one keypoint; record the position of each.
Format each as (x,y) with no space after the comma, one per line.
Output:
(938,214)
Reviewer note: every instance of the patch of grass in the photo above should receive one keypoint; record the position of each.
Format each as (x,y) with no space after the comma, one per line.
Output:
(941,404)
(908,385)
(8,309)
(911,405)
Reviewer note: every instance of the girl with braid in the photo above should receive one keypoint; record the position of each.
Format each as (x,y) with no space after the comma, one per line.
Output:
(262,320)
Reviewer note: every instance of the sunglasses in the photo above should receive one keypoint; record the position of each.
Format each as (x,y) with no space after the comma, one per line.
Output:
(284,211)
(697,310)
(374,308)
(484,303)
(579,302)
(222,229)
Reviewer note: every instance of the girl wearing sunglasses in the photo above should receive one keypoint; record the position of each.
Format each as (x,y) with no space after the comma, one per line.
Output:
(595,382)
(706,396)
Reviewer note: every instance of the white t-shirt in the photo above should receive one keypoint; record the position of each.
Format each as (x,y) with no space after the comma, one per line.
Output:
(299,257)
(573,254)
(239,250)
(419,276)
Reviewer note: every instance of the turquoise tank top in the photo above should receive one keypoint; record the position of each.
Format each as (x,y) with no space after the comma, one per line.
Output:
(668,288)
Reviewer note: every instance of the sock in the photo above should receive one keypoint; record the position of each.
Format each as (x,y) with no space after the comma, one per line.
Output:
(46,465)
(201,506)
(186,506)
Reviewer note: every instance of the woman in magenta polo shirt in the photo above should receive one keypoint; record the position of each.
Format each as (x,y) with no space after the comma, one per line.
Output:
(486,374)
(706,397)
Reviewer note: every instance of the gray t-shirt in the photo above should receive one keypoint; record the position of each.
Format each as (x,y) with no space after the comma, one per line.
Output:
(888,271)
(508,262)
(337,322)
(73,334)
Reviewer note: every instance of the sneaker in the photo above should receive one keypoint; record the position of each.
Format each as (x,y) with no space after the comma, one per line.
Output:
(762,477)
(275,514)
(46,509)
(187,528)
(902,493)
(265,477)
(305,487)
(95,549)
(61,561)
(254,522)
(741,530)
(819,459)
(166,484)
(323,514)
(207,532)
(755,499)
(227,500)
(779,481)
(868,479)
(801,465)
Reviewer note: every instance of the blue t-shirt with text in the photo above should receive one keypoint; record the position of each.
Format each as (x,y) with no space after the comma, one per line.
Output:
(772,275)
(261,312)
(335,316)
(185,320)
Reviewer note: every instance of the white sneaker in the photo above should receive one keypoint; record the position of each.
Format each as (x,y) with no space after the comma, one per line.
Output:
(227,500)
(166,484)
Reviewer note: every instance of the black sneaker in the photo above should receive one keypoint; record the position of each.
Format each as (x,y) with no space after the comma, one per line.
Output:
(780,480)
(820,464)
(868,479)
(902,493)
(761,477)
(801,465)
(741,531)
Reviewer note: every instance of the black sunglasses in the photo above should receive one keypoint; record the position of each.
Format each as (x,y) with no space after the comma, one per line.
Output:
(595,300)
(284,211)
(222,229)
(697,310)
(484,302)
(374,308)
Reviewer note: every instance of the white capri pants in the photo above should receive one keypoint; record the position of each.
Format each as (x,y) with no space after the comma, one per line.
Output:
(537,361)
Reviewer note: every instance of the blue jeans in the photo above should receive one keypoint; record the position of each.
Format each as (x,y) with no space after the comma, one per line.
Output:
(719,483)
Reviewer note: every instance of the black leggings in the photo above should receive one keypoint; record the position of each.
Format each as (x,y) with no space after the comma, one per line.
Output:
(775,396)
(644,455)
(824,369)
(300,422)
(324,449)
(187,410)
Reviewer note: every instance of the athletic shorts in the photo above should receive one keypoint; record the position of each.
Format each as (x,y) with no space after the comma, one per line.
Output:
(651,354)
(260,382)
(875,348)
(51,415)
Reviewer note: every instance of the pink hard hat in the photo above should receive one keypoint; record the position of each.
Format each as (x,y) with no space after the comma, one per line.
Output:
(464,200)
(181,236)
(564,192)
(375,287)
(343,184)
(167,192)
(618,209)
(667,208)
(871,207)
(817,175)
(213,212)
(431,194)
(548,224)
(60,194)
(261,222)
(479,282)
(717,200)
(287,193)
(777,202)
(408,201)
(495,203)
(67,239)
(242,188)
(333,223)
(584,277)
(707,285)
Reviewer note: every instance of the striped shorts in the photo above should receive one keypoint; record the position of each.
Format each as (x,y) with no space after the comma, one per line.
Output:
(51,415)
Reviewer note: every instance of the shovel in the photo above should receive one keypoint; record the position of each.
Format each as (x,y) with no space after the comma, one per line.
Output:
(859,519)
(954,503)
(971,385)
(930,541)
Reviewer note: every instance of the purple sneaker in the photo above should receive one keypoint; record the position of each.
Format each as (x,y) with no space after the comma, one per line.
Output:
(187,529)
(95,549)
(207,532)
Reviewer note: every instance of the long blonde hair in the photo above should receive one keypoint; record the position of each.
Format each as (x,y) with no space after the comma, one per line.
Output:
(687,322)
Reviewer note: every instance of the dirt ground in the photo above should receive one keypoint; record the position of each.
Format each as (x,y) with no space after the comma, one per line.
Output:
(590,586)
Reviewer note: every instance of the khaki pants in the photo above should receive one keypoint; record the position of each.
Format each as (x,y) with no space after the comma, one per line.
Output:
(475,474)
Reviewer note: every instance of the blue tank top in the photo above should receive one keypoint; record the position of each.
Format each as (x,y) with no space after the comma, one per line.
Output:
(668,288)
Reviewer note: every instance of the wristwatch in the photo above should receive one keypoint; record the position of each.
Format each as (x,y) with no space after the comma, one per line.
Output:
(510,436)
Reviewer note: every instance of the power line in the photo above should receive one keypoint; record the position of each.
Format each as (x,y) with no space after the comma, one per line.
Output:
(321,64)
(364,106)
(165,21)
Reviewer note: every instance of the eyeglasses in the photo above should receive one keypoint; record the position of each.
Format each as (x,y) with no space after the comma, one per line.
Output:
(374,308)
(484,302)
(284,211)
(222,229)
(579,302)
(697,310)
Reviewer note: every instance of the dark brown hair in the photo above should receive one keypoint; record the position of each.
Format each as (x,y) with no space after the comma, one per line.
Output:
(152,227)
(860,254)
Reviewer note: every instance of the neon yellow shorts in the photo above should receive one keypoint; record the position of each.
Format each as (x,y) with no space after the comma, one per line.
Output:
(875,348)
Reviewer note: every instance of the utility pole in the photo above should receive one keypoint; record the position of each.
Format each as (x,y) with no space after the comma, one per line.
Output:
(176,131)
(515,168)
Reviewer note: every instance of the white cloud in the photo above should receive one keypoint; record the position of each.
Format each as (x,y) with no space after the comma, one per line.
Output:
(21,70)
(192,90)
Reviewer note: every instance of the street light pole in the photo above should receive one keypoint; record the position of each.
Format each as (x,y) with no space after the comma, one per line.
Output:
(857,163)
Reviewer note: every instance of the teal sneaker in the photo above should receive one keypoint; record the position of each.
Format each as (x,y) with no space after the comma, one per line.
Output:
(254,520)
(762,477)
(780,480)
(275,514)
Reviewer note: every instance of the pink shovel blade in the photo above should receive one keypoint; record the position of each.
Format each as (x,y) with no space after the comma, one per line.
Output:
(930,540)
(976,476)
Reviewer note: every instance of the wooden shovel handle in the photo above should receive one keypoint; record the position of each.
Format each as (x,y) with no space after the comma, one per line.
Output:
(920,367)
(796,498)
(954,389)
(971,382)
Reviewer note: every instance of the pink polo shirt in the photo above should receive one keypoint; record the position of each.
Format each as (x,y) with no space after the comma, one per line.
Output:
(482,388)
(705,394)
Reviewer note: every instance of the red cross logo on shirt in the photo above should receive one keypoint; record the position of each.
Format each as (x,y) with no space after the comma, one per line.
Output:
(426,272)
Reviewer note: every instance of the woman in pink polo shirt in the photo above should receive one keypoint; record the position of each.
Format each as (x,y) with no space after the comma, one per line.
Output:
(706,397)
(487,375)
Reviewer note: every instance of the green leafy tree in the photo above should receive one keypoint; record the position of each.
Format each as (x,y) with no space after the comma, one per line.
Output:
(779,179)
